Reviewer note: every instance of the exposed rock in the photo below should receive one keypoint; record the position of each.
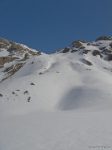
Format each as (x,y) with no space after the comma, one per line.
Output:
(18,90)
(86,62)
(4,43)
(111,45)
(1,95)
(16,67)
(40,73)
(104,38)
(15,47)
(7,59)
(13,93)
(96,52)
(66,49)
(106,51)
(11,51)
(88,44)
(26,56)
(77,44)
(12,70)
(109,57)
(28,99)
(85,51)
(73,50)
(32,83)
(9,69)
(35,53)
(26,92)
(102,48)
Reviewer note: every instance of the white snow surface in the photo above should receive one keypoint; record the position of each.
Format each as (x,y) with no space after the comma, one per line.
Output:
(4,53)
(58,102)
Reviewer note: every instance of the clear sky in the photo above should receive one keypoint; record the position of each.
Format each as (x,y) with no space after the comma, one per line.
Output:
(52,24)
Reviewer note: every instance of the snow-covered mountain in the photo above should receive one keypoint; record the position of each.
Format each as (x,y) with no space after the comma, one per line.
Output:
(60,101)
(13,56)
(76,77)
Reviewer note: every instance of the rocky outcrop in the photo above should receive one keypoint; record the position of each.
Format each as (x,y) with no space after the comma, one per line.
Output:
(7,59)
(77,44)
(12,52)
(96,52)
(98,48)
(104,38)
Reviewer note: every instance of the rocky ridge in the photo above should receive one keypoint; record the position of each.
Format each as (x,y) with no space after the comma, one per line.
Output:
(13,56)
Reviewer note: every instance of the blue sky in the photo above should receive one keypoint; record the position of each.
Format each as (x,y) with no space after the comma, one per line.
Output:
(52,24)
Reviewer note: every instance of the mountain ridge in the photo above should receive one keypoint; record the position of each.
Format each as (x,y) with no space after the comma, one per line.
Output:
(17,54)
(82,69)
(58,101)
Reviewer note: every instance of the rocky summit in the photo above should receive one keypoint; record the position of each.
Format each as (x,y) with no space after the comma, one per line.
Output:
(13,56)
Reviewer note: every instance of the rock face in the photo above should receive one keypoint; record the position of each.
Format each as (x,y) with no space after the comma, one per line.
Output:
(13,56)
(6,59)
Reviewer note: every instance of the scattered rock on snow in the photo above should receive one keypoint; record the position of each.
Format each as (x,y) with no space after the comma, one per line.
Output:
(104,38)
(26,92)
(18,90)
(40,73)
(66,49)
(1,95)
(32,83)
(28,99)
(86,62)
(96,52)
(13,93)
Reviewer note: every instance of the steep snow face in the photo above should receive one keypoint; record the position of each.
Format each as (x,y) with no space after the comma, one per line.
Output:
(76,80)
(61,101)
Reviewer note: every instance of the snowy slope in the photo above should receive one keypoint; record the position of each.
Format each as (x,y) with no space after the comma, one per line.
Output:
(59,101)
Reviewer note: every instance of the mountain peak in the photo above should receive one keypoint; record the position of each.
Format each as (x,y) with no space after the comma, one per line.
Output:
(13,56)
